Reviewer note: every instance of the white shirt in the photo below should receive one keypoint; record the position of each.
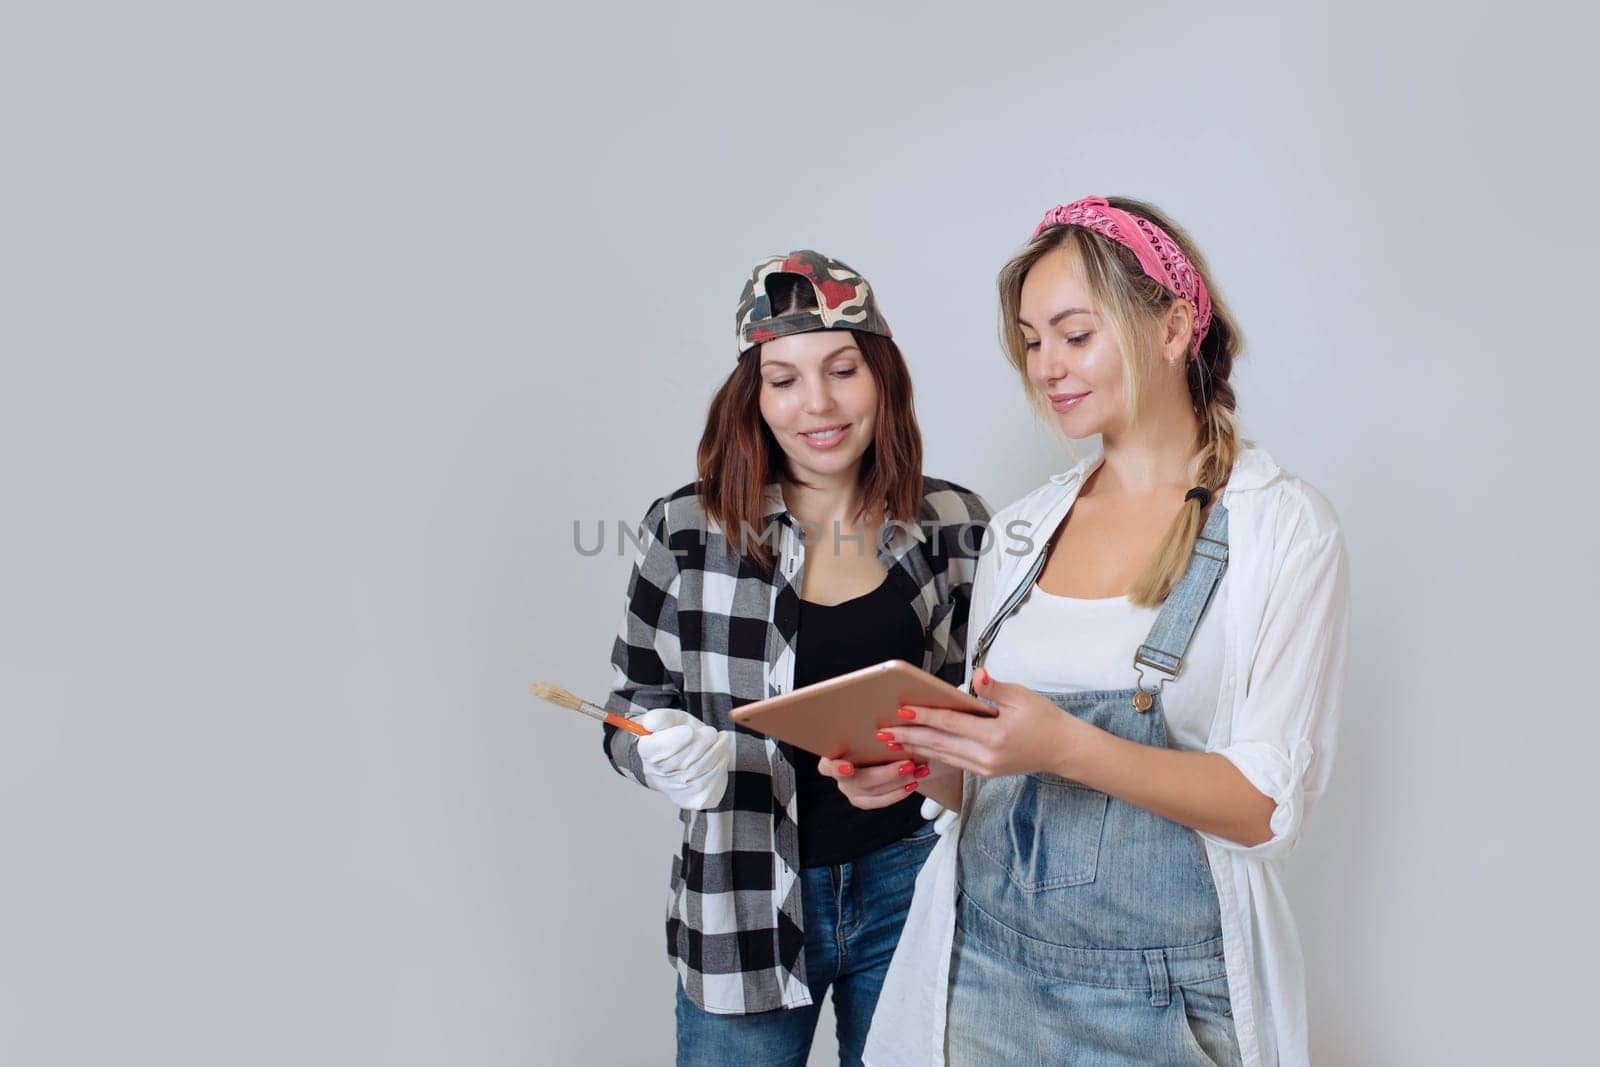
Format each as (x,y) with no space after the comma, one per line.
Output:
(1283,635)
(1063,644)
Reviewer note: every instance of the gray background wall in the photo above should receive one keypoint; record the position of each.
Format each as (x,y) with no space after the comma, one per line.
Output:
(322,323)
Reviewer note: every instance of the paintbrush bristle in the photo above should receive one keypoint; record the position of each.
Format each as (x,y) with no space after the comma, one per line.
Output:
(556,695)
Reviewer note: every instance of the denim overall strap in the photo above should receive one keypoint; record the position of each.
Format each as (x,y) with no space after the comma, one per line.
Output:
(1018,594)
(1168,640)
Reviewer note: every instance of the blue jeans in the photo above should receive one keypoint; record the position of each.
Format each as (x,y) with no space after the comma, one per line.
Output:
(853,916)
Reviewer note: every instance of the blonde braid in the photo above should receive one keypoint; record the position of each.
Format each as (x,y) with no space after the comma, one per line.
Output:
(1214,402)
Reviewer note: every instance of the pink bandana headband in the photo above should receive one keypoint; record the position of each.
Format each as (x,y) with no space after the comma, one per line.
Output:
(1158,253)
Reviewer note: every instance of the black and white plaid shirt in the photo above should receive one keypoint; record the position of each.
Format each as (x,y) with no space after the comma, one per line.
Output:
(707,631)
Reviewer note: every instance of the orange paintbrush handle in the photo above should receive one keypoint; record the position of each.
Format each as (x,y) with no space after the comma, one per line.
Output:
(623,723)
(563,699)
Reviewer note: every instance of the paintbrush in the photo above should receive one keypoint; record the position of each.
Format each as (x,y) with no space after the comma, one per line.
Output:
(561,698)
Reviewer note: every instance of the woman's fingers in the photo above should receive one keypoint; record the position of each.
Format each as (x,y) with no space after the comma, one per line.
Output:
(961,723)
(834,768)
(987,687)
(883,778)
(868,777)
(880,786)
(926,743)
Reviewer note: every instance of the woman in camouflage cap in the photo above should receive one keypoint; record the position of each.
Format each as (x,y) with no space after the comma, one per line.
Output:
(754,580)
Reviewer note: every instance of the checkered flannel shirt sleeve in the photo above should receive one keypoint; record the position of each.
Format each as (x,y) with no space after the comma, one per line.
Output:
(960,521)
(734,924)
(646,658)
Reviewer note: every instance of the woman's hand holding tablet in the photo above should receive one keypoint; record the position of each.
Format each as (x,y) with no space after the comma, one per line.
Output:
(839,719)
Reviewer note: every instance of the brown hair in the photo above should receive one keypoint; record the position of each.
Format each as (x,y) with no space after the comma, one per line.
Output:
(1134,306)
(738,454)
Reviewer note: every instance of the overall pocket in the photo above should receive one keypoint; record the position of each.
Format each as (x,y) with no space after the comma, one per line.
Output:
(1207,1016)
(1044,830)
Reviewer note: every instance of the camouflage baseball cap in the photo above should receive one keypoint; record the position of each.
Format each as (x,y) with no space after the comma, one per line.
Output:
(844,300)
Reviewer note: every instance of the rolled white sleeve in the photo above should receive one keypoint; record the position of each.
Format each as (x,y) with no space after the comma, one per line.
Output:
(1284,730)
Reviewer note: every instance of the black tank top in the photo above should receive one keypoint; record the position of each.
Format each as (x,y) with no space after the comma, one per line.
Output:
(835,640)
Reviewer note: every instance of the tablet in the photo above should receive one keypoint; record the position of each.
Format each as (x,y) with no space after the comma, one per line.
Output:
(838,717)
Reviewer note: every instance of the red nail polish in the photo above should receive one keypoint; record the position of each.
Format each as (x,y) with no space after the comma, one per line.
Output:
(982,676)
(845,768)
(884,735)
(895,746)
(907,767)
(924,770)
(910,786)
(906,713)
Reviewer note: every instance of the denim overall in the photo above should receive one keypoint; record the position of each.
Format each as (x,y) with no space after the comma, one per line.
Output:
(1088,929)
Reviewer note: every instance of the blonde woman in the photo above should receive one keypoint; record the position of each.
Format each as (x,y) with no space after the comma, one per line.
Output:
(1162,629)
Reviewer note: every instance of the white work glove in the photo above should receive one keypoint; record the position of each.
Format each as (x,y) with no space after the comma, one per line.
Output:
(943,818)
(684,758)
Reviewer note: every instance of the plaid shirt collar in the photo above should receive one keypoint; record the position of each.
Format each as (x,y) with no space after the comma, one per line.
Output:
(772,503)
